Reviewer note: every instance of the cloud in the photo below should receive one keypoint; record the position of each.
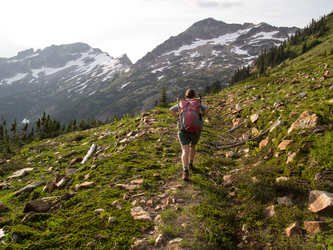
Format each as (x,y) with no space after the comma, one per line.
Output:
(216,4)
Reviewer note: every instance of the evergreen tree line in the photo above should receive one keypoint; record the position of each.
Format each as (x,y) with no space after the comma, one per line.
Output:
(213,88)
(275,55)
(15,136)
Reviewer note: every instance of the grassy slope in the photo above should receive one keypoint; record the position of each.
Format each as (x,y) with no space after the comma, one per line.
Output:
(205,212)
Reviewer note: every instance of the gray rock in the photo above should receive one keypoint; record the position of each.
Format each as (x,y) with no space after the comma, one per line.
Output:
(28,188)
(20,173)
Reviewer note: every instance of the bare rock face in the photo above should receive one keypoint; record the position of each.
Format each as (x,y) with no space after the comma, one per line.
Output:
(320,200)
(38,206)
(306,120)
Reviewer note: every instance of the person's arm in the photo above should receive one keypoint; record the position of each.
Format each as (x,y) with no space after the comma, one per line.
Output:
(173,110)
(174,114)
(205,112)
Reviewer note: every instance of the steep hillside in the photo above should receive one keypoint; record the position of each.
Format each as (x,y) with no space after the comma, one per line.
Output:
(265,150)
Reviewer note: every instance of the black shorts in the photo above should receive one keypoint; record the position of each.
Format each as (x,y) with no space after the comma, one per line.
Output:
(187,138)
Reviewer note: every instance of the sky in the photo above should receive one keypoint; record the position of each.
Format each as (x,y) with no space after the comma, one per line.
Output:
(135,27)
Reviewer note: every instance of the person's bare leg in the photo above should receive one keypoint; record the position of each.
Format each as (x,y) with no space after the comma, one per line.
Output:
(185,155)
(192,155)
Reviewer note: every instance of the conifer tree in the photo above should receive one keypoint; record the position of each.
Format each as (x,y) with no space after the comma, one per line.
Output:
(163,100)
(25,131)
(14,128)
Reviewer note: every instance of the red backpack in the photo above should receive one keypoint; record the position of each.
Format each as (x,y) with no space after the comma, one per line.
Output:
(189,115)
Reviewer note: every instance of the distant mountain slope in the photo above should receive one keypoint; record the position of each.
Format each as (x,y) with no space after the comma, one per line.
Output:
(208,51)
(54,79)
(77,81)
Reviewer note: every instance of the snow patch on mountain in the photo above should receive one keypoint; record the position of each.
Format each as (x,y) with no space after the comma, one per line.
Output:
(96,63)
(17,77)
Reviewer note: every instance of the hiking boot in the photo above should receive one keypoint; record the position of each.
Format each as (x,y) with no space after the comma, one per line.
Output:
(190,166)
(185,175)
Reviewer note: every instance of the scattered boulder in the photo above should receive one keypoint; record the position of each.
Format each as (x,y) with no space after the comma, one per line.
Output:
(75,160)
(270,211)
(277,124)
(269,154)
(319,176)
(283,145)
(20,173)
(112,219)
(84,185)
(2,234)
(282,178)
(67,196)
(63,182)
(286,201)
(291,157)
(140,244)
(313,227)
(71,170)
(320,200)
(51,186)
(230,154)
(38,206)
(254,118)
(139,213)
(158,240)
(302,94)
(227,179)
(28,188)
(264,143)
(117,205)
(293,228)
(127,187)
(99,210)
(306,120)
(175,241)
(3,186)
(137,182)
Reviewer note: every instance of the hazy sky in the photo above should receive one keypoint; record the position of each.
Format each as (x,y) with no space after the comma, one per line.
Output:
(135,27)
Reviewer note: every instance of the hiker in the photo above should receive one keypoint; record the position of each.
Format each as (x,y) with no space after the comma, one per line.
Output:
(190,134)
